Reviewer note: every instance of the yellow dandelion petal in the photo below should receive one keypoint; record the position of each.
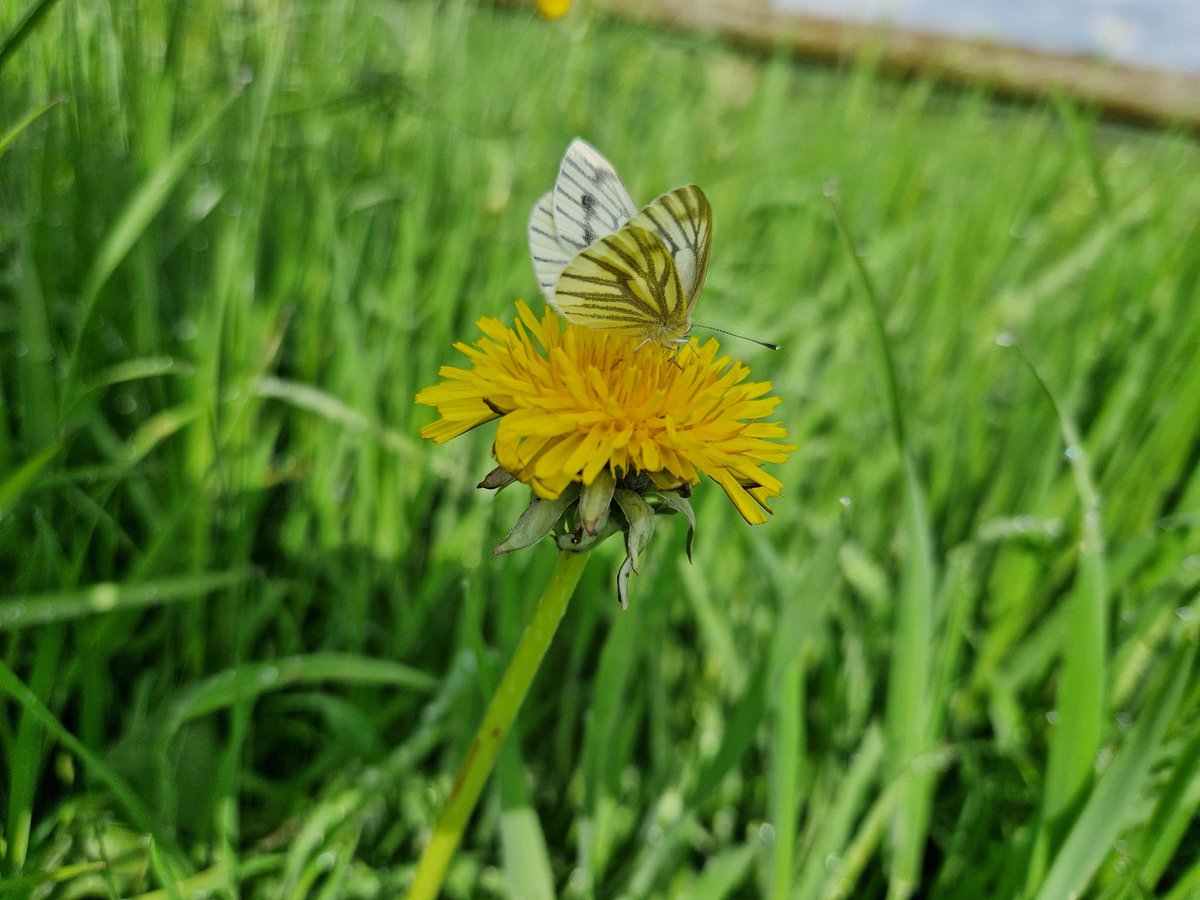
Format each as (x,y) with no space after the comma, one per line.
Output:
(577,401)
(551,463)
(652,460)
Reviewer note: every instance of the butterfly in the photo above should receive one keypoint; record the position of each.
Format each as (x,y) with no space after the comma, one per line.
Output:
(604,263)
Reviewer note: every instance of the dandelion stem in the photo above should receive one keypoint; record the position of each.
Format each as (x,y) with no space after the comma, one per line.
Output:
(506,702)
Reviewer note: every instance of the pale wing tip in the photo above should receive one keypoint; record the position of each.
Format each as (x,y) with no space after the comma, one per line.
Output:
(577,145)
(580,152)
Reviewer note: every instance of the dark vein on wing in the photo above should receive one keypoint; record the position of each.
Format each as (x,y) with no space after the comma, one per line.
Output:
(594,184)
(619,301)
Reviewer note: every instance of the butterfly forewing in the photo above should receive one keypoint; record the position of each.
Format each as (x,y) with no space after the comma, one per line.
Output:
(549,256)
(627,282)
(590,200)
(683,219)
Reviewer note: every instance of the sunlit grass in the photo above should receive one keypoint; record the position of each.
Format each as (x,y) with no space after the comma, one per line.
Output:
(244,611)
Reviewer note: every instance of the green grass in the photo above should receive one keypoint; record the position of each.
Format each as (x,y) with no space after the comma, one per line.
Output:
(249,621)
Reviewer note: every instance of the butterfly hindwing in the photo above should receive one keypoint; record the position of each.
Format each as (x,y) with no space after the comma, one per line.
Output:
(626,282)
(549,256)
(590,201)
(683,219)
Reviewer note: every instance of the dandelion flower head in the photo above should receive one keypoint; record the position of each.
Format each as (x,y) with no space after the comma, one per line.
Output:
(575,401)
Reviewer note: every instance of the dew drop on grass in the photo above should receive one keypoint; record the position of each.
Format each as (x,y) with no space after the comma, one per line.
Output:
(1186,613)
(577,881)
(269,675)
(112,340)
(185,330)
(103,597)
(1006,339)
(1073,452)
(125,404)
(10,614)
(723,824)
(671,806)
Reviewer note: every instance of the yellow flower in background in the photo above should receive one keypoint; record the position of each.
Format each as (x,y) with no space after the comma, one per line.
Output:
(574,402)
(553,9)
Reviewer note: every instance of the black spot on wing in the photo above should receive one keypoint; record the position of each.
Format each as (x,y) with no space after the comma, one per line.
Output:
(598,196)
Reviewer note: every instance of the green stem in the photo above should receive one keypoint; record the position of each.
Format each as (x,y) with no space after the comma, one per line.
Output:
(481,757)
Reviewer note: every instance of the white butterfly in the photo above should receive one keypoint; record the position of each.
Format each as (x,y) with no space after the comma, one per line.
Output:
(602,263)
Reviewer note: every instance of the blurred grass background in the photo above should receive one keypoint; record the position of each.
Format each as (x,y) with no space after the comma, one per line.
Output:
(248,622)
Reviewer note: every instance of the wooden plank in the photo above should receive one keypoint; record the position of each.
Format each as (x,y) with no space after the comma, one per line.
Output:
(1131,93)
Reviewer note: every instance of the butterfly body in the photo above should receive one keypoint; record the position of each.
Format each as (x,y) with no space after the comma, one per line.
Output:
(603,263)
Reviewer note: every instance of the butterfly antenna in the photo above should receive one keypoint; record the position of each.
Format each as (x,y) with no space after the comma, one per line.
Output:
(742,337)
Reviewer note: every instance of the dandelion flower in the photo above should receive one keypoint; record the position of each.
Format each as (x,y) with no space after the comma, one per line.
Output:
(574,402)
(553,9)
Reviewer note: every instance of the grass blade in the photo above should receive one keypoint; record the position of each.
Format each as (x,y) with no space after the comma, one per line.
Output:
(722,874)
(252,680)
(24,28)
(27,611)
(1116,794)
(126,798)
(15,485)
(527,869)
(145,203)
(8,137)
(1081,687)
(908,715)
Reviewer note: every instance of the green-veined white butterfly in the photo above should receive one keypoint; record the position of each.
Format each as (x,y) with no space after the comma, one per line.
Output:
(603,263)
